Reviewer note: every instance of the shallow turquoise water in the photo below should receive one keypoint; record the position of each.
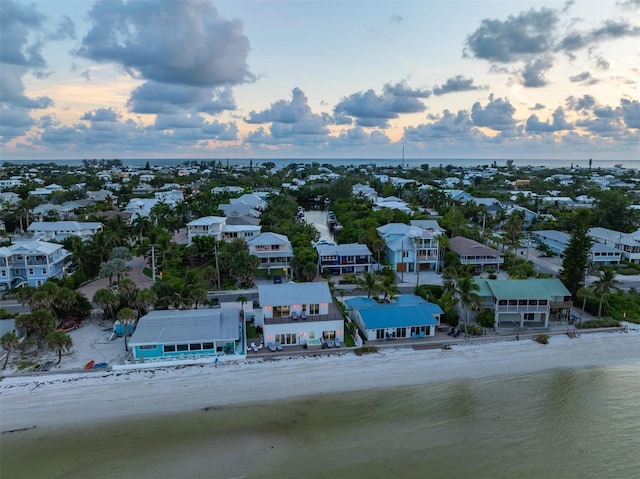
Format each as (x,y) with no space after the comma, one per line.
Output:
(566,423)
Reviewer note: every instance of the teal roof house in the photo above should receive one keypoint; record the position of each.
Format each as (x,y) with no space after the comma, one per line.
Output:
(188,337)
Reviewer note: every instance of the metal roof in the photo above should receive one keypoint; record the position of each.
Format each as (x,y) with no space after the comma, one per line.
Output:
(468,247)
(351,249)
(408,310)
(187,326)
(546,288)
(294,293)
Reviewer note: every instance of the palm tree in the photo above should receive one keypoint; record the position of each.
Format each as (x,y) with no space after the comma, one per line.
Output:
(242,299)
(59,341)
(127,318)
(462,290)
(107,300)
(367,283)
(8,342)
(605,283)
(514,227)
(145,298)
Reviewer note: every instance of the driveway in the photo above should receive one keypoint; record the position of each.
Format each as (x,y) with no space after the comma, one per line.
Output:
(136,275)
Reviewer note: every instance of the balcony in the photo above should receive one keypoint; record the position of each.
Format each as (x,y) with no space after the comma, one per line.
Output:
(522,309)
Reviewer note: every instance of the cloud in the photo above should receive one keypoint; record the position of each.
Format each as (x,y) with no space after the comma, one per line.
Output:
(497,115)
(17,24)
(456,84)
(587,102)
(534,71)
(584,77)
(283,111)
(610,29)
(448,127)
(518,37)
(65,29)
(559,123)
(15,122)
(373,110)
(151,97)
(630,110)
(182,42)
(101,114)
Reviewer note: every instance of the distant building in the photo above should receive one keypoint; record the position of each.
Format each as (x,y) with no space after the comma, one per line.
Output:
(628,243)
(274,252)
(473,253)
(414,247)
(344,258)
(60,230)
(600,254)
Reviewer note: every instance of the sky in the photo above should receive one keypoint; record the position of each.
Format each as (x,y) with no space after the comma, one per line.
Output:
(438,79)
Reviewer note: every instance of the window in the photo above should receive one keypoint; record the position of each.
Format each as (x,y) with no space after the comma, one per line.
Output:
(207,345)
(44,270)
(314,309)
(182,347)
(195,347)
(379,333)
(146,347)
(30,270)
(170,348)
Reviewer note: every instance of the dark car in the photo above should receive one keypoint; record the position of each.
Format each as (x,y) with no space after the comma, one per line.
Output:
(68,324)
(277,280)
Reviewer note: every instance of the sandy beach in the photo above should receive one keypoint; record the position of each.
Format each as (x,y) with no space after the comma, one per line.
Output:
(84,398)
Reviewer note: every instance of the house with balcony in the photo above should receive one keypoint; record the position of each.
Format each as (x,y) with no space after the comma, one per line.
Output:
(600,254)
(413,247)
(205,226)
(407,317)
(298,314)
(344,258)
(31,263)
(60,230)
(475,254)
(274,252)
(188,336)
(525,302)
(628,243)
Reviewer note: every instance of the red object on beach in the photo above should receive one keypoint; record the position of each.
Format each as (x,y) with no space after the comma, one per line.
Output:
(89,365)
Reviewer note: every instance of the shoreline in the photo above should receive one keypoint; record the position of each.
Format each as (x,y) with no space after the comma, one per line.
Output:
(81,399)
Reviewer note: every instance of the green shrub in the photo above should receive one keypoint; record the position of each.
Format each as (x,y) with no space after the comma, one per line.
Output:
(599,323)
(542,338)
(486,318)
(493,276)
(365,350)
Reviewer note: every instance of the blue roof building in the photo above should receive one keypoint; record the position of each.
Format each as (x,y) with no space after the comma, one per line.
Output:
(409,316)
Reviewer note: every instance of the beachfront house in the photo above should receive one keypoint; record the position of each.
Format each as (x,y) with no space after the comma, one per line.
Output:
(205,226)
(524,302)
(413,247)
(343,258)
(193,335)
(31,263)
(470,252)
(274,252)
(298,314)
(407,317)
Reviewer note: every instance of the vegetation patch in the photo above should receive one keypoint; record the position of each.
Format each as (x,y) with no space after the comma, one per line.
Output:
(600,323)
(542,338)
(365,350)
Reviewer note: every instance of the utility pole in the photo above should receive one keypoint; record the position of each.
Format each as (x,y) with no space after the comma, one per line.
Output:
(217,265)
(153,262)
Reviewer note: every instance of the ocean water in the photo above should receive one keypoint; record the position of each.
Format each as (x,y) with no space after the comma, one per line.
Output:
(564,423)
(409,162)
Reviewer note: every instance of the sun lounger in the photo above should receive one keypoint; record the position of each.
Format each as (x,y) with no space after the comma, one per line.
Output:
(294,315)
(278,346)
(254,347)
(336,343)
(414,336)
(421,335)
(272,347)
(303,315)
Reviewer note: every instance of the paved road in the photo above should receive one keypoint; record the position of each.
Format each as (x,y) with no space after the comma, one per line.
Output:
(136,275)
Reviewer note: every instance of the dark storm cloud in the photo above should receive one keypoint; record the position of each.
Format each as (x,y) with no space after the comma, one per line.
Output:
(183,42)
(13,89)
(162,98)
(528,33)
(497,115)
(558,123)
(15,122)
(373,110)
(455,84)
(534,71)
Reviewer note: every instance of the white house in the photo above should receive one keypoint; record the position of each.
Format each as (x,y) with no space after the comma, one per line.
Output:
(274,252)
(414,247)
(628,243)
(600,254)
(205,226)
(301,314)
(59,230)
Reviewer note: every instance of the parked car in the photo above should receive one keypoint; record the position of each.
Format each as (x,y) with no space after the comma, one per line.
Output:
(68,324)
(277,280)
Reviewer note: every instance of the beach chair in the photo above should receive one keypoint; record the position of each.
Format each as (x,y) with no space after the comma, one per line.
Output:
(421,335)
(294,315)
(336,343)
(414,335)
(278,346)
(272,347)
(303,315)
